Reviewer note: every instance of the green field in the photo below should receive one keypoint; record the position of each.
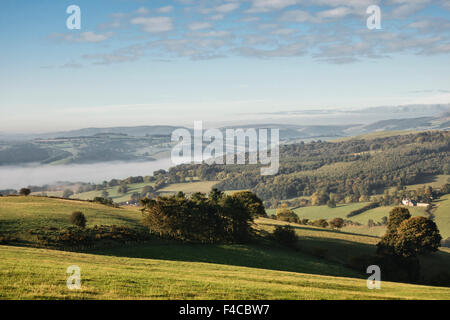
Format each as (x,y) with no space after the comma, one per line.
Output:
(19,214)
(113,192)
(189,187)
(436,181)
(29,273)
(377,214)
(325,212)
(442,216)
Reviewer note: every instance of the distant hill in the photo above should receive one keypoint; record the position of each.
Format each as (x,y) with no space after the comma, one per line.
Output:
(140,131)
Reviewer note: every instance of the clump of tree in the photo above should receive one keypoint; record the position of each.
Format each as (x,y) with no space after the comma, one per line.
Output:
(322,223)
(405,240)
(363,209)
(123,188)
(285,235)
(200,218)
(252,202)
(77,218)
(102,200)
(24,192)
(337,223)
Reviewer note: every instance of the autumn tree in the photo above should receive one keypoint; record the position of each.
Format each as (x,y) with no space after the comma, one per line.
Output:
(417,236)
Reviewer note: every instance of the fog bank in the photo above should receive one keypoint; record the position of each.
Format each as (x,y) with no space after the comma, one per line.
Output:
(16,177)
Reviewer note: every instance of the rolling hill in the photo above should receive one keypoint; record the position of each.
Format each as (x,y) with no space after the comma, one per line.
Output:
(172,270)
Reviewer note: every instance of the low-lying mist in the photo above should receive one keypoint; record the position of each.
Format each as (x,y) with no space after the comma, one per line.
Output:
(16,177)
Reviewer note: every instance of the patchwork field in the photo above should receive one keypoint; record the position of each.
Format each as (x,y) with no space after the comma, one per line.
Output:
(113,192)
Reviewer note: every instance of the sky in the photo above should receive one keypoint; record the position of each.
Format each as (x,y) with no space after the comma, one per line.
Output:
(137,62)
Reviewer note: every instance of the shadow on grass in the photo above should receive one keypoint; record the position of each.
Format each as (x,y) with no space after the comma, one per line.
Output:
(303,227)
(262,256)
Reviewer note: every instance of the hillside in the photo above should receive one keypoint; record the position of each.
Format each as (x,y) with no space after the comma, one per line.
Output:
(28,273)
(19,214)
(322,268)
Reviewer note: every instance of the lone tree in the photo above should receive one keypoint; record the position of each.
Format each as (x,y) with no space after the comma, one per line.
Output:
(24,191)
(77,218)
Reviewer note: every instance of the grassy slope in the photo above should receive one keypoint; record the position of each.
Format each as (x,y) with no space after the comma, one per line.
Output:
(28,273)
(179,270)
(442,216)
(325,212)
(436,181)
(113,192)
(342,247)
(189,187)
(375,135)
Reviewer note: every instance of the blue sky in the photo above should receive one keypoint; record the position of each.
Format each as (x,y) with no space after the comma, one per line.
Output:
(173,62)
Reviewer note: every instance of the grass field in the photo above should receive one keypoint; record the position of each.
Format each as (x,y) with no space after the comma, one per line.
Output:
(435,182)
(113,192)
(189,187)
(377,214)
(325,212)
(172,270)
(442,216)
(344,246)
(29,273)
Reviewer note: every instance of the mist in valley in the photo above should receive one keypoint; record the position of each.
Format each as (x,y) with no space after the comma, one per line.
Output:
(16,177)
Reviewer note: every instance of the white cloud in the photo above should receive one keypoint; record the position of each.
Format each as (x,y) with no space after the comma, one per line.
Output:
(269,5)
(165,9)
(339,12)
(283,32)
(142,10)
(298,16)
(154,24)
(215,34)
(217,17)
(227,7)
(83,37)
